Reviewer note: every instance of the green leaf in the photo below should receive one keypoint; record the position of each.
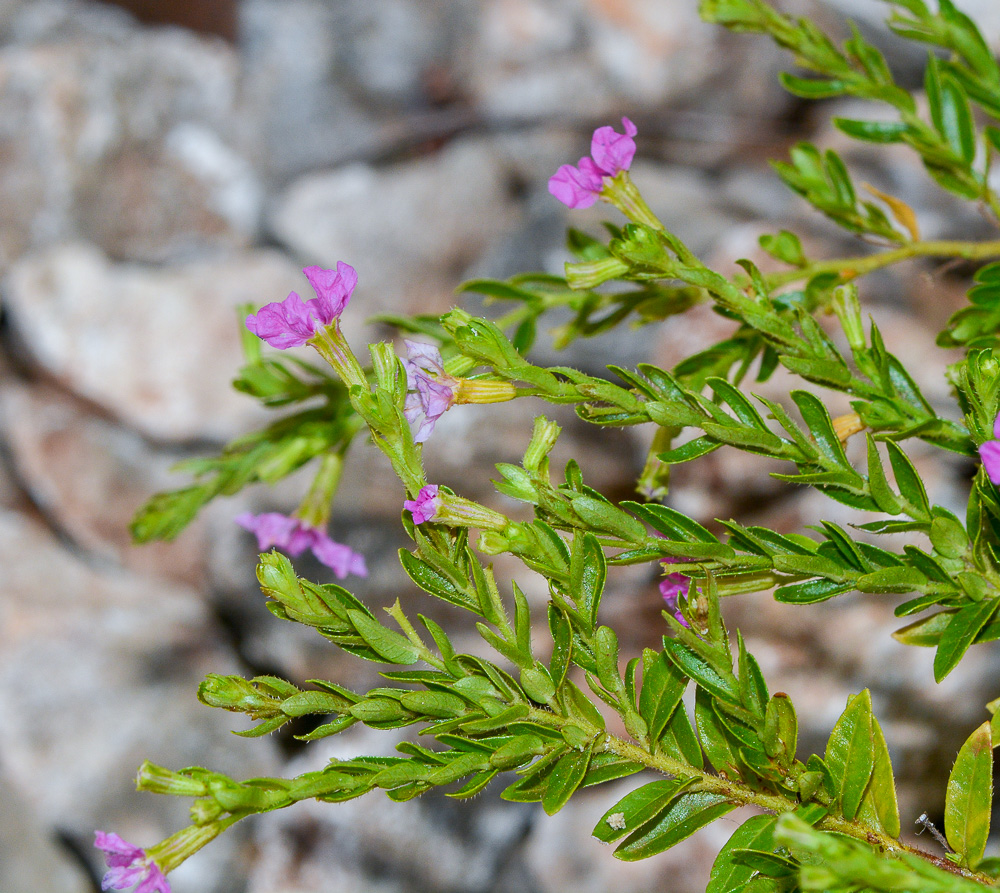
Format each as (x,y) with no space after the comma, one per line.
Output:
(911,487)
(588,573)
(872,131)
(960,633)
(706,676)
(680,820)
(969,797)
(880,798)
(389,645)
(638,807)
(730,875)
(663,687)
(850,753)
(781,729)
(433,582)
(564,778)
(714,737)
(925,632)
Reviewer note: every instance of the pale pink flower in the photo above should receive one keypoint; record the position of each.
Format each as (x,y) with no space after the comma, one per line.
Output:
(610,153)
(128,865)
(291,535)
(292,322)
(426,505)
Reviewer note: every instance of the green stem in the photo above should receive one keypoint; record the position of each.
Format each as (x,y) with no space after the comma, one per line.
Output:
(855,267)
(737,792)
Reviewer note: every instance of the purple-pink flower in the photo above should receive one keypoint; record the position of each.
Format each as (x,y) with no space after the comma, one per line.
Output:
(431,389)
(989,452)
(610,153)
(672,587)
(292,322)
(426,505)
(129,865)
(294,536)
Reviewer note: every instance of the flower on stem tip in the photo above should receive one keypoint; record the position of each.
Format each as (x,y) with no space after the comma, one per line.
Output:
(294,536)
(426,505)
(430,395)
(610,154)
(292,322)
(672,587)
(129,865)
(989,452)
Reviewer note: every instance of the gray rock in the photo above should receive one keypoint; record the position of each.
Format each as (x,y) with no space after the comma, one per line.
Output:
(532,59)
(98,671)
(407,228)
(30,860)
(300,111)
(69,460)
(130,139)
(157,348)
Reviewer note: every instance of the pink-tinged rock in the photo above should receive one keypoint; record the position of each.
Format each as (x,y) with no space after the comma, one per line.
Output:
(155,347)
(131,139)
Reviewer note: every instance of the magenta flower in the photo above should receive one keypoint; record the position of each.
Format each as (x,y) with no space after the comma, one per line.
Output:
(426,505)
(610,153)
(989,452)
(292,322)
(672,587)
(129,865)
(432,391)
(294,536)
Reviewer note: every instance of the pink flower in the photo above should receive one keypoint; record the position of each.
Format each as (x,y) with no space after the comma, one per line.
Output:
(431,395)
(426,505)
(672,587)
(129,865)
(610,153)
(989,452)
(293,536)
(292,322)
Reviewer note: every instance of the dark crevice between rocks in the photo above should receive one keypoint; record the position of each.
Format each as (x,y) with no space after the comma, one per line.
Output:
(79,854)
(234,632)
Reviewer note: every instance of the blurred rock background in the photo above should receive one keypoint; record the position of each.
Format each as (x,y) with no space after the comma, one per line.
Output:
(154,176)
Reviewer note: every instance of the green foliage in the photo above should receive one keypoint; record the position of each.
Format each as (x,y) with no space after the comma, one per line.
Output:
(558,706)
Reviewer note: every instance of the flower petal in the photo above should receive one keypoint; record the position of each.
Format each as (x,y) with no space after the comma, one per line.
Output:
(426,505)
(989,452)
(270,528)
(612,151)
(341,559)
(577,187)
(333,289)
(284,324)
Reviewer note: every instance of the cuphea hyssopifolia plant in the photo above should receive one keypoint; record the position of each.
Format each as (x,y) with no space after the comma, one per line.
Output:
(539,709)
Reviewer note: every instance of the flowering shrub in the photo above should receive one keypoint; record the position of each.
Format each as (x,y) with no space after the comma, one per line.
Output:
(827,822)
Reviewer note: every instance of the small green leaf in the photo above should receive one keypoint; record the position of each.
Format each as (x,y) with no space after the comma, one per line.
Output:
(730,875)
(872,131)
(564,778)
(925,632)
(969,797)
(960,633)
(850,753)
(663,686)
(638,807)
(680,820)
(388,645)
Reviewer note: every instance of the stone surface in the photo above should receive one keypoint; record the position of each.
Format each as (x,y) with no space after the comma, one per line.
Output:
(408,228)
(156,348)
(96,665)
(30,858)
(88,476)
(129,138)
